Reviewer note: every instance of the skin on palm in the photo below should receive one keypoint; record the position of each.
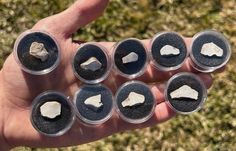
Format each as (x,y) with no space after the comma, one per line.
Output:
(18,89)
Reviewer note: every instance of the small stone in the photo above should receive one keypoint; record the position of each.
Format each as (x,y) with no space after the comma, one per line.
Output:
(133,99)
(131,57)
(169,50)
(91,64)
(38,51)
(210,49)
(184,92)
(50,109)
(94,101)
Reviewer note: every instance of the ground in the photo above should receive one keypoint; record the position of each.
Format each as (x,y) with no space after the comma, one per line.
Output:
(213,128)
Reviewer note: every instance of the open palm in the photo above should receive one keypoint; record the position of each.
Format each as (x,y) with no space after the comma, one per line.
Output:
(18,89)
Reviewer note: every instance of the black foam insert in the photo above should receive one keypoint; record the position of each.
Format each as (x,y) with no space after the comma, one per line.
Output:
(89,112)
(56,125)
(83,54)
(206,60)
(138,111)
(32,63)
(185,104)
(174,40)
(123,49)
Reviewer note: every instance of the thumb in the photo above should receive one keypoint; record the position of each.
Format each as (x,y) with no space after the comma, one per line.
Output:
(76,16)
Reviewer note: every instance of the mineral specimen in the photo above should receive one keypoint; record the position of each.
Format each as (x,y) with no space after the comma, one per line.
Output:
(91,64)
(133,99)
(169,50)
(50,109)
(94,101)
(39,51)
(131,57)
(210,49)
(184,91)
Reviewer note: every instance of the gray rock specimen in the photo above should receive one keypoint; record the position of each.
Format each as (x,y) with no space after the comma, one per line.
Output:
(39,51)
(50,109)
(211,49)
(91,64)
(184,91)
(94,101)
(131,57)
(133,99)
(169,50)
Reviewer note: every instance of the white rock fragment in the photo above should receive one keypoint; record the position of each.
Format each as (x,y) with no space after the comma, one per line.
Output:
(38,50)
(50,109)
(91,64)
(184,91)
(131,57)
(210,49)
(94,101)
(133,99)
(169,50)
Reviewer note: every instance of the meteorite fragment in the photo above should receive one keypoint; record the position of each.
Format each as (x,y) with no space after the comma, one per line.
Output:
(94,101)
(132,57)
(38,50)
(133,99)
(169,50)
(211,49)
(184,91)
(50,109)
(91,64)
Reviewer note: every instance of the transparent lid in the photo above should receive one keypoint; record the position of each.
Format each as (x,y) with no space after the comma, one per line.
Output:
(204,91)
(23,67)
(203,68)
(159,66)
(66,100)
(141,71)
(108,69)
(85,119)
(131,120)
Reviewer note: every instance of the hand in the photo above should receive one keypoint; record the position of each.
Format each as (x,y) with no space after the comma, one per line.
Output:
(18,89)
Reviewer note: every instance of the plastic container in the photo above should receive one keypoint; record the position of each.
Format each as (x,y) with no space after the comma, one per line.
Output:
(210,51)
(93,104)
(168,51)
(130,58)
(91,63)
(135,102)
(54,125)
(185,93)
(43,40)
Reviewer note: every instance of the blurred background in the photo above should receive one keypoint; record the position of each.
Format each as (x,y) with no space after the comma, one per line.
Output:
(213,128)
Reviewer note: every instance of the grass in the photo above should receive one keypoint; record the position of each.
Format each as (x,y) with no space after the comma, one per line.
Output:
(213,128)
